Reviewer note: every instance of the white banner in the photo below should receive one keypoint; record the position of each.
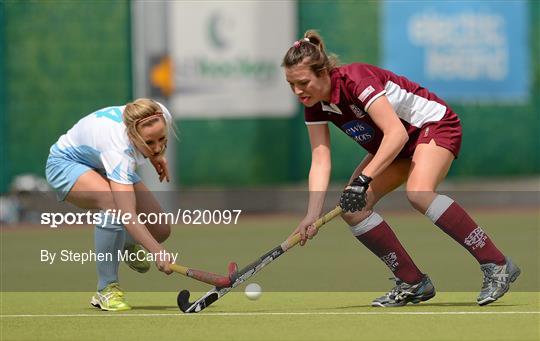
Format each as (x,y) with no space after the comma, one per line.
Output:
(226,57)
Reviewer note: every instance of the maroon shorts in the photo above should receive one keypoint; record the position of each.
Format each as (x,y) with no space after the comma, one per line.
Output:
(446,133)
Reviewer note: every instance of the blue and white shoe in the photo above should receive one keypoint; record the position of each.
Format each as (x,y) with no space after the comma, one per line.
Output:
(404,293)
(497,279)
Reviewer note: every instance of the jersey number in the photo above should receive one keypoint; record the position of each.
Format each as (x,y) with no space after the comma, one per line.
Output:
(112,113)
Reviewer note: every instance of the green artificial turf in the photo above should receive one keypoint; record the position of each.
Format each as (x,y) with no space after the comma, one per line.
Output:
(319,292)
(275,316)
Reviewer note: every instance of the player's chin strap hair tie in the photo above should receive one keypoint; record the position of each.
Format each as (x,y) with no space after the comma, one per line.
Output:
(298,43)
(146,119)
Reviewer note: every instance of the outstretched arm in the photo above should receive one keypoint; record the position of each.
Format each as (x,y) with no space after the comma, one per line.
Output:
(321,166)
(319,177)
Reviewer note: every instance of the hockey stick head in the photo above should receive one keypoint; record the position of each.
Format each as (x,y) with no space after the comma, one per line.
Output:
(194,307)
(183,300)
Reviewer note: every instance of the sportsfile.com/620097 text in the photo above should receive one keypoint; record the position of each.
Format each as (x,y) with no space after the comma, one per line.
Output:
(181,216)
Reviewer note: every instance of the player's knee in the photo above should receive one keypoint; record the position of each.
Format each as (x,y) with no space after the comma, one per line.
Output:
(419,198)
(105,201)
(355,218)
(161,232)
(166,232)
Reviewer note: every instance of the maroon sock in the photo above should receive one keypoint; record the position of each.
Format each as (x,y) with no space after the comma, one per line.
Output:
(378,237)
(455,222)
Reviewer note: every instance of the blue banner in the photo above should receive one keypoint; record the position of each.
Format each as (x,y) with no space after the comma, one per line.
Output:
(461,50)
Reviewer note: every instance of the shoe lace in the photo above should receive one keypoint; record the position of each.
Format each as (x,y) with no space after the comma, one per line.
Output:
(113,291)
(400,291)
(494,276)
(487,282)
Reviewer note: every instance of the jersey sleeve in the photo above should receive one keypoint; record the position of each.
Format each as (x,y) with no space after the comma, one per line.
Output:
(120,167)
(368,90)
(315,115)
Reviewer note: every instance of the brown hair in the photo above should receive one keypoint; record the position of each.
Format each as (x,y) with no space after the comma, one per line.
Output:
(139,113)
(310,50)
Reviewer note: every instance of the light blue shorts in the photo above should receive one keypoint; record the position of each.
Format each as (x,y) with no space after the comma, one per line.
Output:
(62,174)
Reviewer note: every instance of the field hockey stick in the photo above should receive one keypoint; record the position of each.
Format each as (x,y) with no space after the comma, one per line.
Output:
(203,276)
(238,277)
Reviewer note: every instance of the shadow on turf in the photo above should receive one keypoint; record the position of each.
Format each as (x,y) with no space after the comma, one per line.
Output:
(442,304)
(156,307)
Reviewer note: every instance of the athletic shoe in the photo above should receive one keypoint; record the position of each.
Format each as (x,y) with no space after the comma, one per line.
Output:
(497,279)
(111,298)
(134,262)
(404,293)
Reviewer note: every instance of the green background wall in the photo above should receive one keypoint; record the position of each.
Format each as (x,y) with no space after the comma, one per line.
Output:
(4,165)
(497,139)
(63,59)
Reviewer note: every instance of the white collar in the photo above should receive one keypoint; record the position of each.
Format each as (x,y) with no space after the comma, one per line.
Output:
(331,108)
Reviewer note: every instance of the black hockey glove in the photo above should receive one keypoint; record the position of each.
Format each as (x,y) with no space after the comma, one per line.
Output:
(354,196)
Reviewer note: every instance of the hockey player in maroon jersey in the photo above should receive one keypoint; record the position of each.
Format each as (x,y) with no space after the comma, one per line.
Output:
(412,137)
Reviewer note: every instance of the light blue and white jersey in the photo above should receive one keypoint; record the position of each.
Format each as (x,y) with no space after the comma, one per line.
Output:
(100,141)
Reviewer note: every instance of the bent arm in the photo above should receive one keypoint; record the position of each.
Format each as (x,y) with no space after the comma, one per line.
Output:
(365,161)
(124,197)
(321,166)
(395,136)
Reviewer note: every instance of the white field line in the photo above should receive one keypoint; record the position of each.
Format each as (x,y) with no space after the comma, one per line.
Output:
(109,315)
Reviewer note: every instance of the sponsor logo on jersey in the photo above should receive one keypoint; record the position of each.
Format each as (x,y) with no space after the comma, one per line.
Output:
(357,111)
(476,239)
(391,261)
(367,91)
(360,131)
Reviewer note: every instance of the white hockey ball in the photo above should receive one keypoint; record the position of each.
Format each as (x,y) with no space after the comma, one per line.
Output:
(253,291)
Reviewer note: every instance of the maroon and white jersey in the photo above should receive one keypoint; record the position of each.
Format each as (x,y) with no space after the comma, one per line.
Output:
(356,86)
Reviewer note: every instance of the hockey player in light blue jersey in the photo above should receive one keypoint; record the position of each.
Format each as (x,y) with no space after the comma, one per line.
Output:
(93,167)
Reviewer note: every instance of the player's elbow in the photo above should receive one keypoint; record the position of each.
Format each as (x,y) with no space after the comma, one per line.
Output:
(321,163)
(401,136)
(397,134)
(321,156)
